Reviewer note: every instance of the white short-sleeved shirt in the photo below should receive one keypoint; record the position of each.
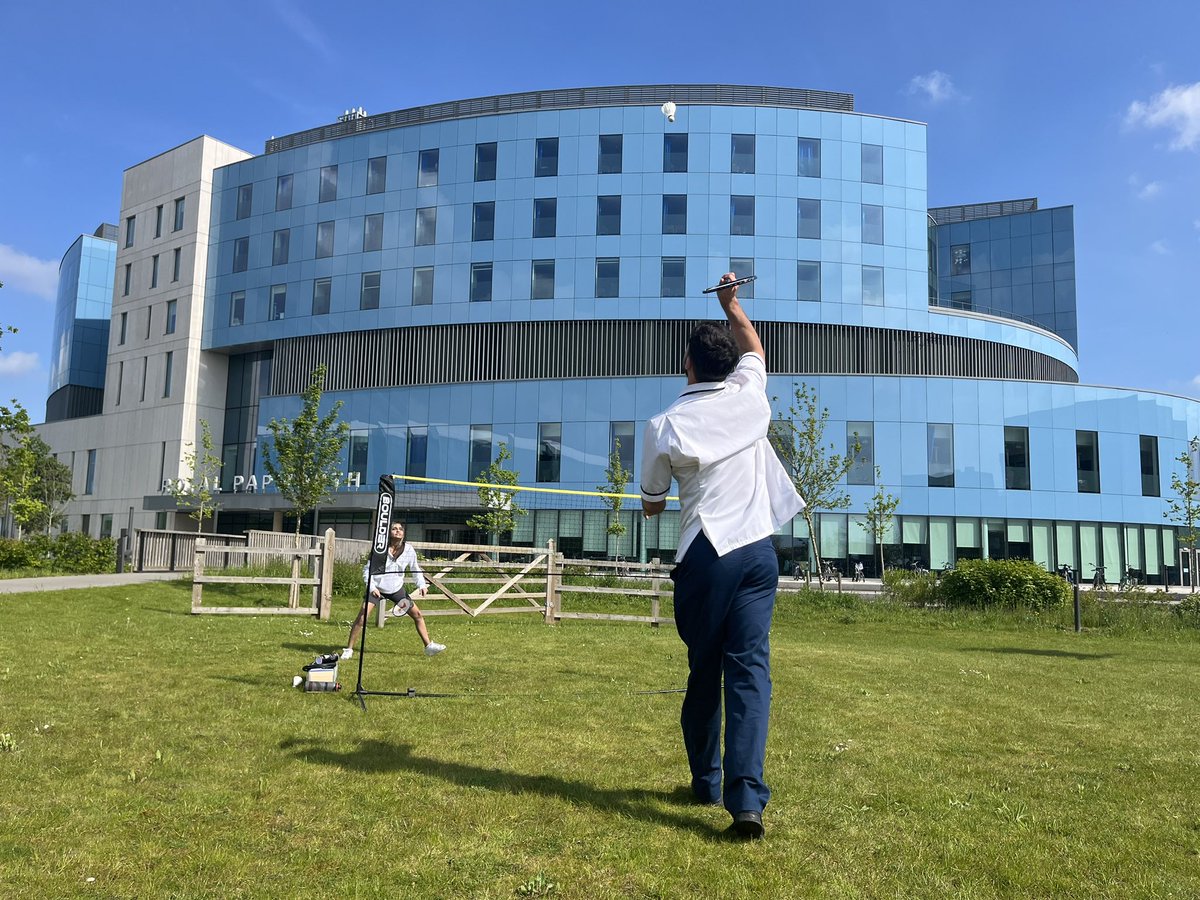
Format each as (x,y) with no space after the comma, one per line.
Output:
(713,441)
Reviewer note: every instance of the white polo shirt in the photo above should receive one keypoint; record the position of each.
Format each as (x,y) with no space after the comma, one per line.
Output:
(713,441)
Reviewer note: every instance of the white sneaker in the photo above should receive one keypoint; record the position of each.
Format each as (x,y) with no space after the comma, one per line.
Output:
(433,649)
(347,653)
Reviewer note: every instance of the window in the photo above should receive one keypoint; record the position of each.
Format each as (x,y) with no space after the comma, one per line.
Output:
(808,159)
(675,152)
(417,451)
(609,158)
(167,370)
(172,309)
(481,451)
(608,214)
(545,217)
(356,457)
(427,168)
(129,278)
(283,192)
(872,224)
(120,380)
(322,289)
(324,239)
(279,249)
(327,191)
(545,157)
(89,483)
(245,201)
(278,301)
(105,525)
(237,307)
(1016,458)
(377,175)
(674,214)
(483,221)
(145,377)
(741,215)
(608,277)
(85,524)
(741,153)
(673,271)
(960,259)
(1149,455)
(241,254)
(158,217)
(160,518)
(542,287)
(863,470)
(422,290)
(130,228)
(373,232)
(1087,461)
(178,226)
(154,271)
(549,451)
(175,263)
(872,164)
(620,439)
(124,328)
(426,225)
(485,162)
(481,282)
(960,300)
(808,281)
(742,267)
(808,219)
(149,320)
(940,449)
(872,285)
(368,297)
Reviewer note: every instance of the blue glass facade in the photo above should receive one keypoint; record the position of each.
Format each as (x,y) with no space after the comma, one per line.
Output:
(82,313)
(508,219)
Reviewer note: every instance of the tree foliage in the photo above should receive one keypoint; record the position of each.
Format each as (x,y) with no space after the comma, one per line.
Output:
(878,516)
(1184,508)
(499,502)
(618,479)
(197,492)
(52,484)
(304,455)
(25,459)
(816,468)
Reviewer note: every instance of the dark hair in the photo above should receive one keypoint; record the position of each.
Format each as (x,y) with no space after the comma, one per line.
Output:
(712,351)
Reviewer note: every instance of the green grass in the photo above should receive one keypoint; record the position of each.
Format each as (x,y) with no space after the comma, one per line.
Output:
(913,753)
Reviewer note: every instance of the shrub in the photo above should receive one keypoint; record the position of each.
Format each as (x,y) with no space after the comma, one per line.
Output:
(1014,583)
(348,579)
(911,588)
(1188,609)
(79,554)
(16,554)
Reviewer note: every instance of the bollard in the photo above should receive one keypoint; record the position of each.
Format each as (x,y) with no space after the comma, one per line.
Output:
(1078,617)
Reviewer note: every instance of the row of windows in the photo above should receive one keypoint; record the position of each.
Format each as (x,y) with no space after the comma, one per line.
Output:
(177,225)
(171,316)
(940,458)
(544,225)
(168,374)
(609,160)
(542,286)
(176,265)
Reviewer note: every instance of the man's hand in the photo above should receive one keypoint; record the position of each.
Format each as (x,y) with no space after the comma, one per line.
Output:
(728,295)
(651,508)
(744,335)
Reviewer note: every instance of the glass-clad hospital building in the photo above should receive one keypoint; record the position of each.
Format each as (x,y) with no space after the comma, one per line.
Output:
(524,269)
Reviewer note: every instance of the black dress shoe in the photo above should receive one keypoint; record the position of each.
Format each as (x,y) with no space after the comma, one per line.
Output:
(747,824)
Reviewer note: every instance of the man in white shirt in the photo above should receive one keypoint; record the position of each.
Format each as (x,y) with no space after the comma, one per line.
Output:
(733,495)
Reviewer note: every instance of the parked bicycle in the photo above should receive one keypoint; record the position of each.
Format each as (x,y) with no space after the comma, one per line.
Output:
(1098,582)
(1066,573)
(1129,581)
(830,572)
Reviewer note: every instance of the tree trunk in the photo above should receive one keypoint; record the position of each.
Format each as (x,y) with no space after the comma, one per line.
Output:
(816,545)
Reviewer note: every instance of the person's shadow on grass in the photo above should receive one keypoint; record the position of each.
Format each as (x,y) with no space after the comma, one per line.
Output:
(374,757)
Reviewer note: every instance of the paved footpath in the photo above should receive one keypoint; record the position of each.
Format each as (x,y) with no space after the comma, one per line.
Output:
(82,582)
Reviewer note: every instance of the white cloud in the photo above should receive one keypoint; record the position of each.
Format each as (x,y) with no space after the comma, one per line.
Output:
(1160,247)
(1176,108)
(302,26)
(936,86)
(28,274)
(1149,189)
(18,362)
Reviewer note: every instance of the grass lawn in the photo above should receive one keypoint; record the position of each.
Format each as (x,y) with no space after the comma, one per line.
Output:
(918,754)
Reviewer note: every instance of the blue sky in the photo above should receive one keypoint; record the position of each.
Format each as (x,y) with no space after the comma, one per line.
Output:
(1073,103)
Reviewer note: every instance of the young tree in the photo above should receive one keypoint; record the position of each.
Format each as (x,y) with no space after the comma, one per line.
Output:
(304,455)
(618,478)
(500,507)
(817,469)
(52,483)
(880,512)
(198,491)
(1184,508)
(17,480)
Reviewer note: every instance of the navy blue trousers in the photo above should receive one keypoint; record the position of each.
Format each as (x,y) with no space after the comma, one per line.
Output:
(723,608)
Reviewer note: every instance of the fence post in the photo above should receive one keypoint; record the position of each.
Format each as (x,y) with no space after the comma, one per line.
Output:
(326,588)
(654,586)
(141,551)
(553,598)
(294,590)
(197,574)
